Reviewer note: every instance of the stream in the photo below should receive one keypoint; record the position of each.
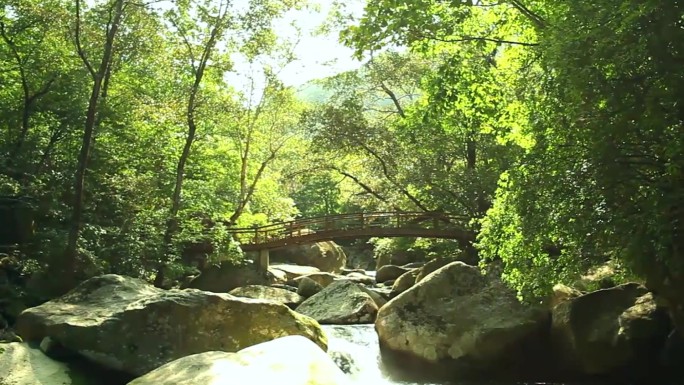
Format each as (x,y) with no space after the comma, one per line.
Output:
(359,343)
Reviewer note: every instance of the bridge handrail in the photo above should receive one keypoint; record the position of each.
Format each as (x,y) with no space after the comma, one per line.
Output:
(350,221)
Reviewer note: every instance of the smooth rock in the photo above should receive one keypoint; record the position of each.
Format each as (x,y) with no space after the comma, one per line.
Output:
(227,276)
(290,360)
(562,293)
(308,287)
(359,278)
(279,276)
(343,302)
(346,271)
(324,279)
(285,287)
(293,272)
(384,292)
(326,256)
(389,273)
(269,293)
(615,331)
(458,320)
(431,266)
(403,283)
(23,365)
(126,324)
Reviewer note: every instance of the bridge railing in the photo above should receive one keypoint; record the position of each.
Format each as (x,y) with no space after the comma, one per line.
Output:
(341,222)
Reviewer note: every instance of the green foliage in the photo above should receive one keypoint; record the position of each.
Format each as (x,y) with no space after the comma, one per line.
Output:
(555,126)
(573,107)
(414,249)
(140,127)
(601,179)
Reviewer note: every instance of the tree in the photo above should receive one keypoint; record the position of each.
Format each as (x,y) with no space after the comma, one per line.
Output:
(26,31)
(201,41)
(602,179)
(100,75)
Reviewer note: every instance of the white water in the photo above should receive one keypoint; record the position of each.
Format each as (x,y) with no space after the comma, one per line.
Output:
(360,343)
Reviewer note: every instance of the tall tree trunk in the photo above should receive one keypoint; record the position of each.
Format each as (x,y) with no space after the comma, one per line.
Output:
(68,263)
(172,223)
(481,202)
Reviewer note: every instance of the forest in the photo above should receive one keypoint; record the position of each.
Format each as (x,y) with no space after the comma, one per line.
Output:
(556,127)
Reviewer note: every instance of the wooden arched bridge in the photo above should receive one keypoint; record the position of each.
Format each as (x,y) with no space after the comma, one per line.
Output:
(341,226)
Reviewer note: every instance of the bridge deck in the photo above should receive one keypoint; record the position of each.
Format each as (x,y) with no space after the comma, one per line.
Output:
(377,224)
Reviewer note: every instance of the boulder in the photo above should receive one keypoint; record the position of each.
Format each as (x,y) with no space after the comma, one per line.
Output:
(269,293)
(431,266)
(324,279)
(290,360)
(279,276)
(360,255)
(228,275)
(598,277)
(458,320)
(389,273)
(126,324)
(413,265)
(360,278)
(293,272)
(615,331)
(23,365)
(326,256)
(562,293)
(285,287)
(343,302)
(346,271)
(383,292)
(405,282)
(308,287)
(8,335)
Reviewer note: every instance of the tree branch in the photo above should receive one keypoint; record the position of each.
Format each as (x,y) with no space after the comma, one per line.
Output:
(79,47)
(394,99)
(478,38)
(537,20)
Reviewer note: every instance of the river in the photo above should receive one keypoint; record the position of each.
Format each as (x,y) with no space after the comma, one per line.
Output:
(360,344)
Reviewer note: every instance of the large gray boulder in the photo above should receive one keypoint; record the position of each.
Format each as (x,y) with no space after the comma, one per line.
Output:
(326,256)
(284,296)
(228,275)
(290,360)
(322,278)
(432,265)
(360,278)
(308,287)
(292,272)
(404,282)
(389,273)
(23,365)
(561,293)
(609,331)
(126,324)
(457,319)
(343,302)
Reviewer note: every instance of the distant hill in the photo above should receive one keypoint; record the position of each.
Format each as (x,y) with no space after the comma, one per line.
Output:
(313,93)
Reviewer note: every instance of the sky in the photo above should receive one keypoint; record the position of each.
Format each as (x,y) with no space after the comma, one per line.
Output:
(317,56)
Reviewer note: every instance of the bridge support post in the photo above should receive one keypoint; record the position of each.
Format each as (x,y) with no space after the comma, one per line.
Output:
(263,259)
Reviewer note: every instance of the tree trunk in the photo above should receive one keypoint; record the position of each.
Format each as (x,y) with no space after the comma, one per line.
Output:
(172,223)
(68,263)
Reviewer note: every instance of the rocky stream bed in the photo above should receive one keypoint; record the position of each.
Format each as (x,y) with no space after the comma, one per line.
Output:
(440,322)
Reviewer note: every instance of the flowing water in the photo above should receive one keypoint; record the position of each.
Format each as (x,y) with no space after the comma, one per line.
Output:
(359,344)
